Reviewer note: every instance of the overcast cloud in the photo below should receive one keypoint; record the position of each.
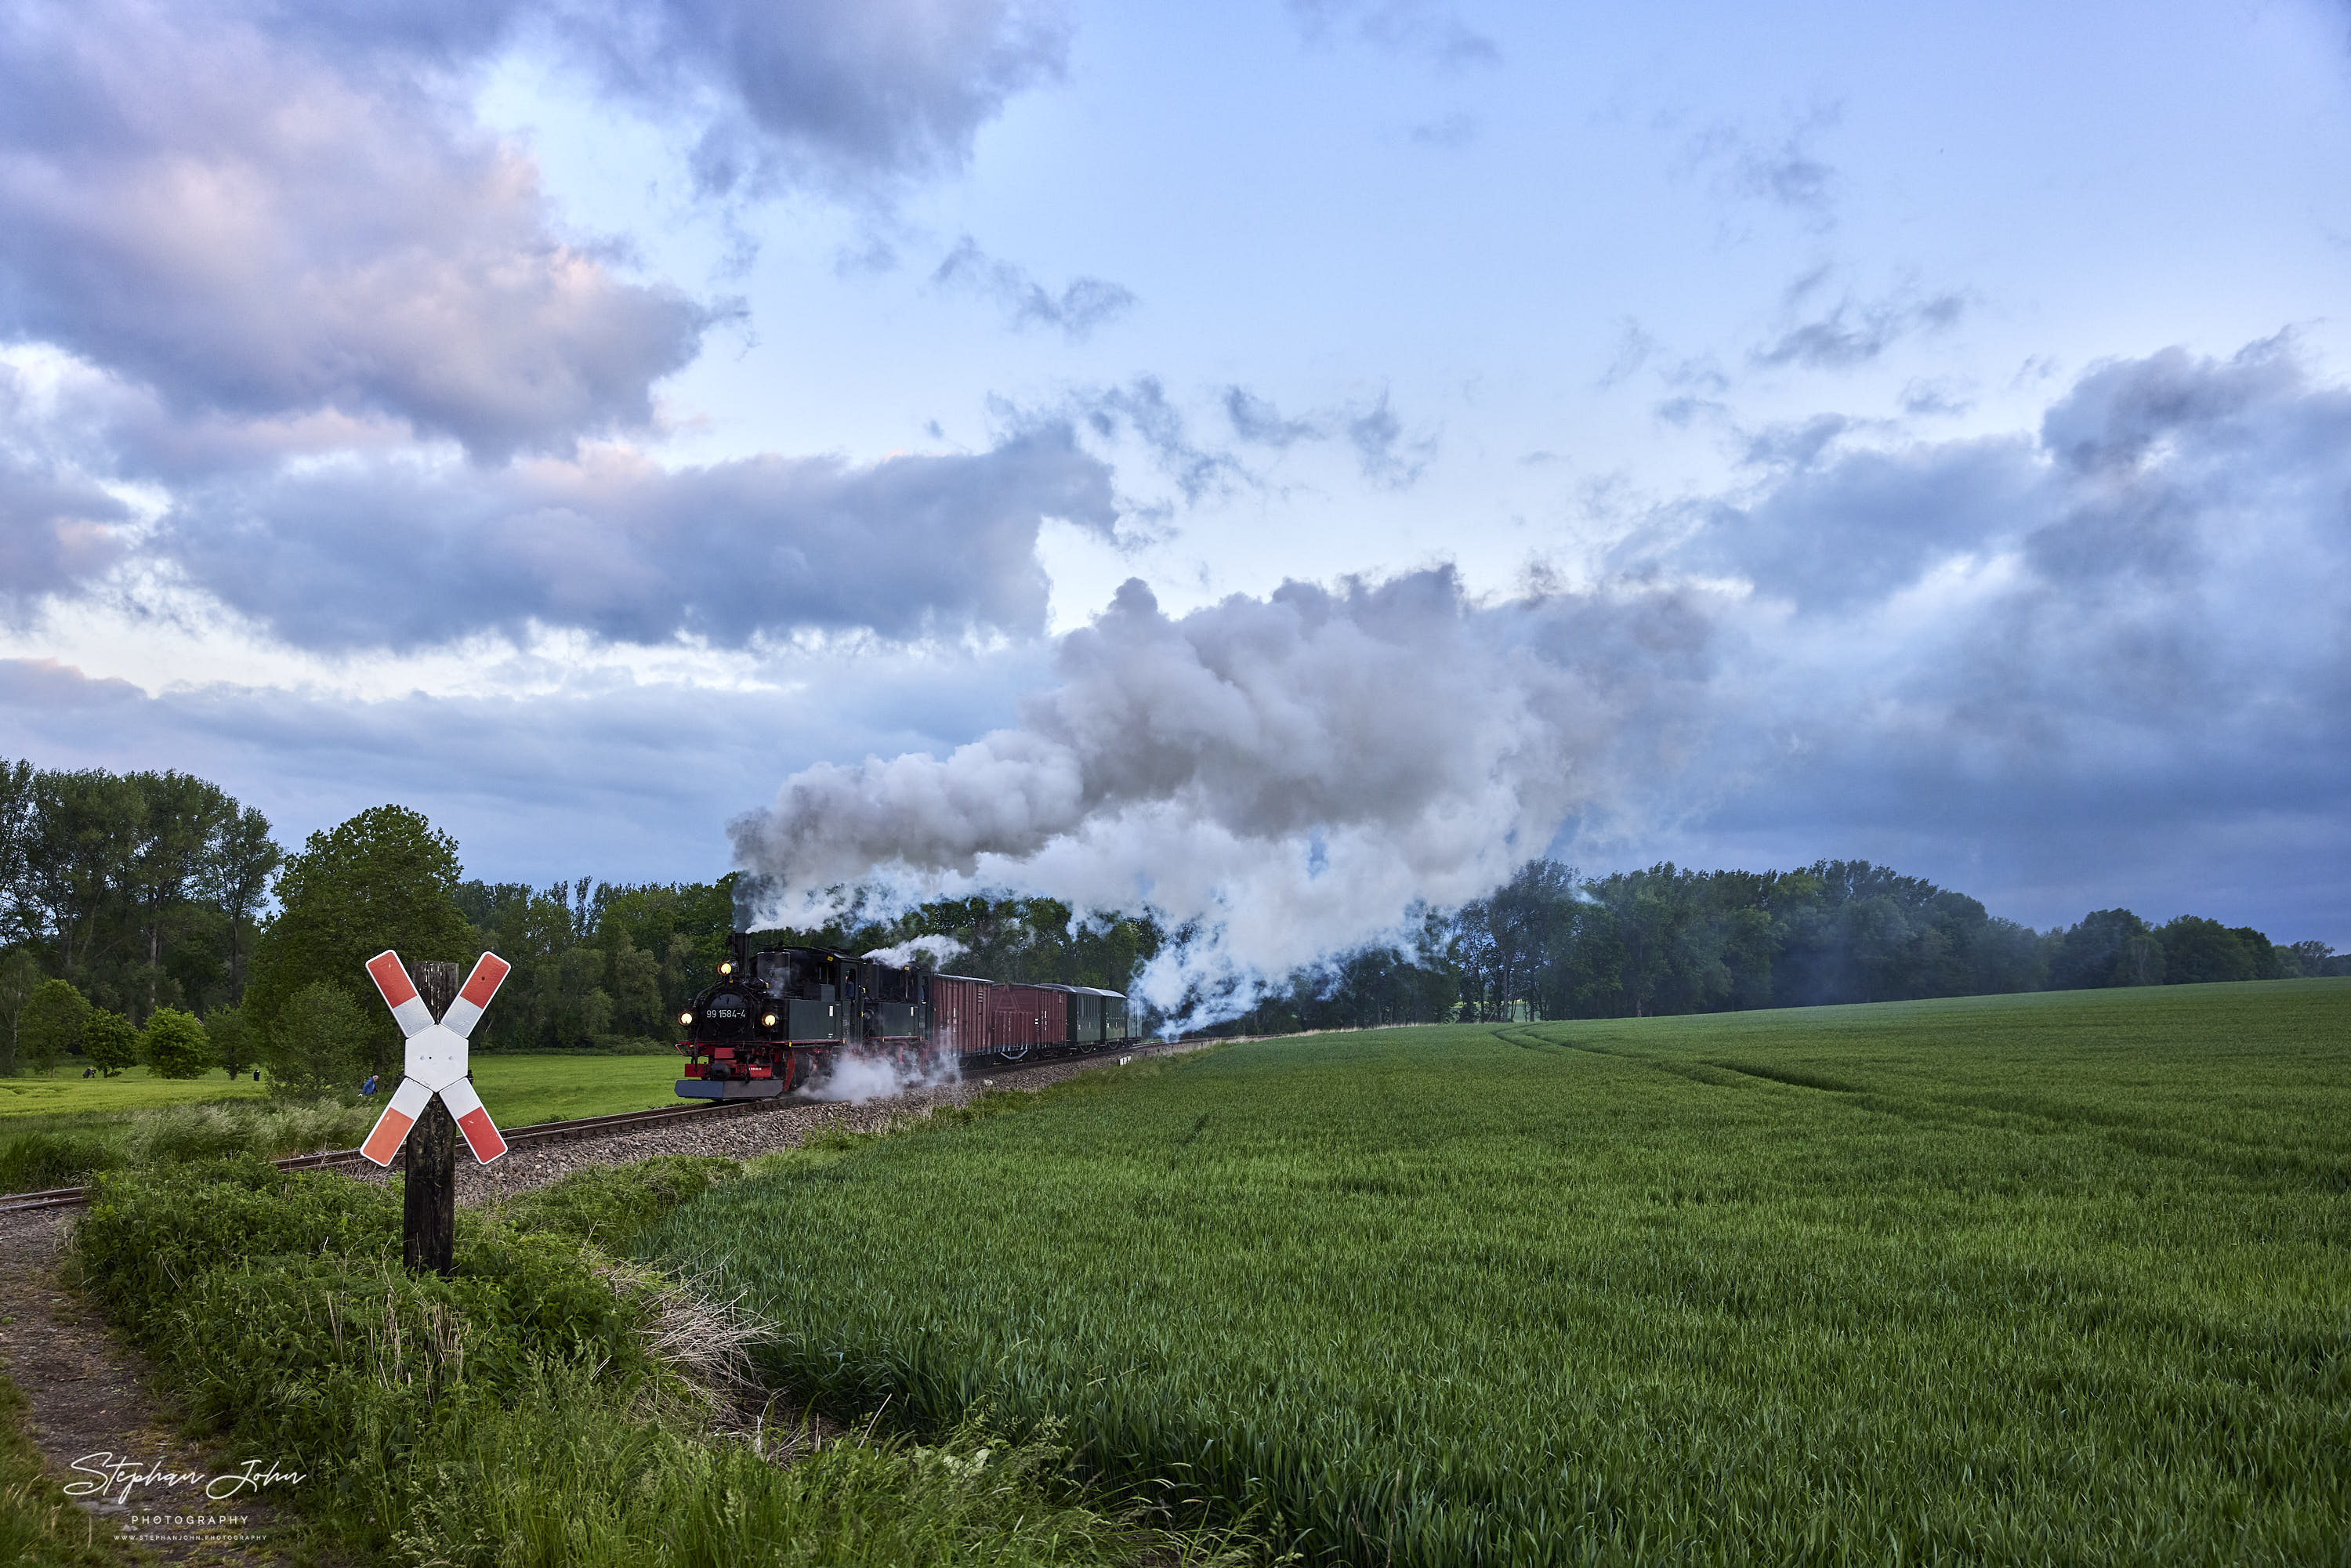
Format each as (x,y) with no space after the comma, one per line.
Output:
(352,349)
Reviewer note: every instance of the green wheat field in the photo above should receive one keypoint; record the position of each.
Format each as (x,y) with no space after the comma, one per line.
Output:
(2032,1279)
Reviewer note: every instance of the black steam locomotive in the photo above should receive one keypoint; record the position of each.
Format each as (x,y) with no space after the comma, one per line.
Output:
(782,1018)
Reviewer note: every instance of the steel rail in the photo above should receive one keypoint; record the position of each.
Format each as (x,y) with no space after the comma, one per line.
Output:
(548,1132)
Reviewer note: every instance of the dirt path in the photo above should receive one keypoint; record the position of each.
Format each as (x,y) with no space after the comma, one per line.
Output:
(92,1403)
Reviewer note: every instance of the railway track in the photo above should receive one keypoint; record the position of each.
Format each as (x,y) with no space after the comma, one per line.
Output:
(542,1133)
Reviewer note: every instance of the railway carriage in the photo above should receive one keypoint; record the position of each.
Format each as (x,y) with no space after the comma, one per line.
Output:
(784,1019)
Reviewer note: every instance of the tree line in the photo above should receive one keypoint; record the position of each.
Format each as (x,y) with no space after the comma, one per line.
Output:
(150,917)
(1554,944)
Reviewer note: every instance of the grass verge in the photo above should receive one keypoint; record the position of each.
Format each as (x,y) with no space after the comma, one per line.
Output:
(549,1405)
(40,1526)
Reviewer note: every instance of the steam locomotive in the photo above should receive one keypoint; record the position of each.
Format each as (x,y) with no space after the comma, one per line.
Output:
(782,1018)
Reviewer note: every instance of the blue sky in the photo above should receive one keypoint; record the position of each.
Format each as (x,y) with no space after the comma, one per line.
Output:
(1742,434)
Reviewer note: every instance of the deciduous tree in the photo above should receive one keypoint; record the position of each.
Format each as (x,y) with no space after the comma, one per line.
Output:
(51,1025)
(109,1040)
(319,1045)
(385,878)
(174,1045)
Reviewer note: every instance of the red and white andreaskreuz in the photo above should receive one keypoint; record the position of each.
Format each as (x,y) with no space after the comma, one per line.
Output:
(436,1062)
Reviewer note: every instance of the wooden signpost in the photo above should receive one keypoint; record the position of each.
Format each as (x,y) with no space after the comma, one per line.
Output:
(435,1100)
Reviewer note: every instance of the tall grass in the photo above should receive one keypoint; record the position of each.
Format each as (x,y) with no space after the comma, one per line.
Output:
(40,1527)
(66,1151)
(531,1412)
(2022,1279)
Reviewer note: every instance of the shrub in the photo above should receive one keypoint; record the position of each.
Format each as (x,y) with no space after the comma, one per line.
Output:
(174,1045)
(109,1041)
(318,1047)
(51,1024)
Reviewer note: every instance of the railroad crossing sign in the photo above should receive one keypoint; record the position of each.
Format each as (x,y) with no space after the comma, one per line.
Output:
(436,1062)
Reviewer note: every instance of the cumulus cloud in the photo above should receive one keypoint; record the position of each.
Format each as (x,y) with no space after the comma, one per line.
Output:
(1287,772)
(399,554)
(1082,305)
(199,206)
(266,211)
(2025,662)
(842,93)
(284,272)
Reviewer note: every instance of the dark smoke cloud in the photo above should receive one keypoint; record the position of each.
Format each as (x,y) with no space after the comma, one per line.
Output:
(397,554)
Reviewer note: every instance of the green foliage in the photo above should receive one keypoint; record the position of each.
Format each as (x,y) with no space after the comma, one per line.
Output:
(109,1041)
(51,1025)
(34,1159)
(572,1479)
(612,1205)
(385,878)
(2001,1280)
(138,887)
(233,1046)
(516,1414)
(40,1527)
(2198,951)
(174,1045)
(597,966)
(20,976)
(320,1044)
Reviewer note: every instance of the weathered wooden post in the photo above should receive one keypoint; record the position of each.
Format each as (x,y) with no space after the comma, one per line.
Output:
(429,1212)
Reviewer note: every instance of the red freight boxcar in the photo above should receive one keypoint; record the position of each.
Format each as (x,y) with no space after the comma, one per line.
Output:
(960,1007)
(1025,1017)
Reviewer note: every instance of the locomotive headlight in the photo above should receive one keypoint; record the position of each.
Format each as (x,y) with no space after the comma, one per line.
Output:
(725,968)
(769,1020)
(686,1018)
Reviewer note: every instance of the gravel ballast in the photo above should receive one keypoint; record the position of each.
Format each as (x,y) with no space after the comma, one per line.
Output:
(786,1126)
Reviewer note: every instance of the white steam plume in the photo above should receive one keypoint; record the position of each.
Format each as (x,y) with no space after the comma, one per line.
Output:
(920,952)
(1288,774)
(856,1079)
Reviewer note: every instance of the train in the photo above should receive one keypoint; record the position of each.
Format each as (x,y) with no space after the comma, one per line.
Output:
(779,1019)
